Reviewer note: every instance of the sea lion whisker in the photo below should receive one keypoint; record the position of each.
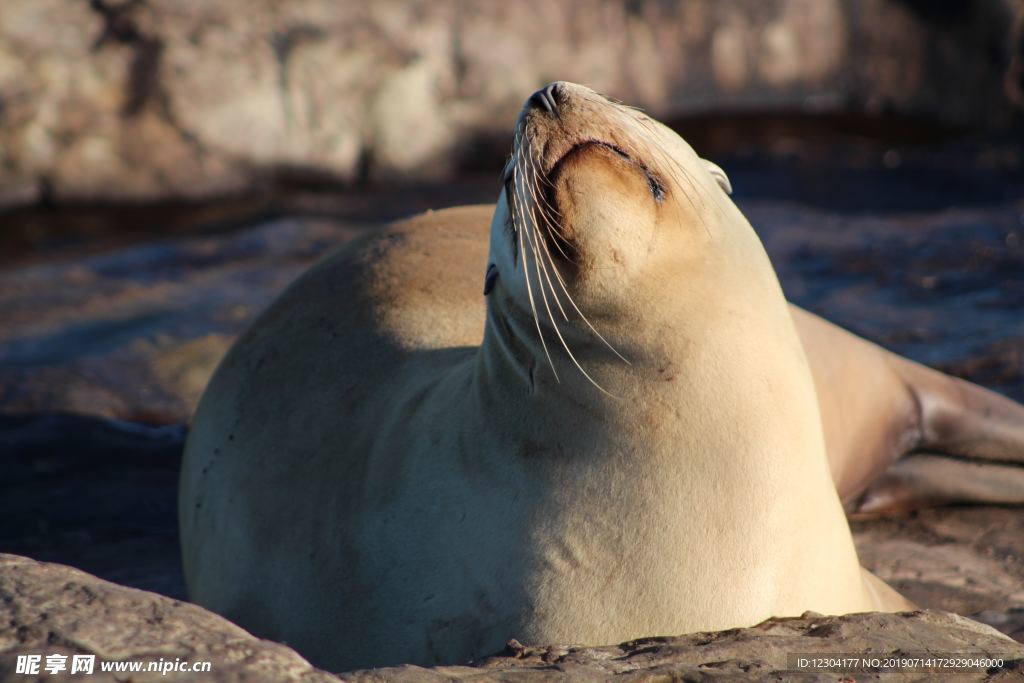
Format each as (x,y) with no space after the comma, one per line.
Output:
(539,265)
(534,237)
(554,324)
(557,238)
(538,195)
(526,271)
(552,216)
(583,317)
(542,275)
(509,178)
(540,260)
(539,248)
(542,270)
(545,252)
(561,282)
(552,226)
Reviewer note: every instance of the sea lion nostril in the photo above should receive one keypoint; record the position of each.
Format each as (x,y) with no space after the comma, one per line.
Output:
(546,99)
(554,94)
(539,100)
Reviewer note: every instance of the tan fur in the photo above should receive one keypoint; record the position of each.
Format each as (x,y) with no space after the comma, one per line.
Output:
(370,483)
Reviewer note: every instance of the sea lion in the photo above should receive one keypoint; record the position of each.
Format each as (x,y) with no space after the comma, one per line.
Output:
(634,447)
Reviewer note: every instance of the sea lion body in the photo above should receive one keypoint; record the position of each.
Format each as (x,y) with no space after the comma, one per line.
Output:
(369,481)
(425,517)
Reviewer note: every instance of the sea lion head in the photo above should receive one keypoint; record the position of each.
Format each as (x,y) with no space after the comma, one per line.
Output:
(602,207)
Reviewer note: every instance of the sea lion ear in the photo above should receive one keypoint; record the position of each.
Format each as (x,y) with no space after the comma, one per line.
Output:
(719,175)
(490,277)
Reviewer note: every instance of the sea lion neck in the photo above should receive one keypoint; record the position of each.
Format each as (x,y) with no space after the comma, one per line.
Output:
(574,363)
(523,356)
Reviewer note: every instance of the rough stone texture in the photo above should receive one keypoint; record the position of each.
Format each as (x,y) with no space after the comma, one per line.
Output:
(157,99)
(967,560)
(759,653)
(51,609)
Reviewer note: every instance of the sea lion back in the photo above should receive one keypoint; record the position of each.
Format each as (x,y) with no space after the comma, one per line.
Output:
(376,316)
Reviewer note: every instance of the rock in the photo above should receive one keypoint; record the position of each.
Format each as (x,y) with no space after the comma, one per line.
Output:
(770,651)
(968,560)
(115,100)
(50,609)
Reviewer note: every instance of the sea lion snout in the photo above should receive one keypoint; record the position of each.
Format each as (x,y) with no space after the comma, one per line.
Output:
(589,187)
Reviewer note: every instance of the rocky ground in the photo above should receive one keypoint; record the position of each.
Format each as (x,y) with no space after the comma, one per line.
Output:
(58,611)
(105,346)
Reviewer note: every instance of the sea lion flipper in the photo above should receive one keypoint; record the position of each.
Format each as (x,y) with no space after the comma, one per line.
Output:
(926,480)
(878,407)
(963,419)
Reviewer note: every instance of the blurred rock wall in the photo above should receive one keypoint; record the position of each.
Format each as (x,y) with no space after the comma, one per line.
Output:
(114,100)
